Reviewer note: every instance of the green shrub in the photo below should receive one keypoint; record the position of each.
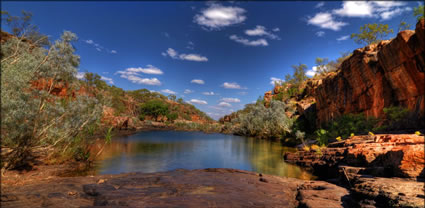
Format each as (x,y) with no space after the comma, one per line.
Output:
(262,122)
(172,116)
(154,108)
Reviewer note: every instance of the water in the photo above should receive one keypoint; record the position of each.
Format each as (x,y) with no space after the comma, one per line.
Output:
(157,151)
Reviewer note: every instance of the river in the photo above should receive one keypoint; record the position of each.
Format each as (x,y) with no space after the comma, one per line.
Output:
(157,151)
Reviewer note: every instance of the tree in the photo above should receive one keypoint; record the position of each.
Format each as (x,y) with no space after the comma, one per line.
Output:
(299,73)
(418,12)
(403,26)
(180,100)
(172,97)
(22,28)
(371,33)
(321,65)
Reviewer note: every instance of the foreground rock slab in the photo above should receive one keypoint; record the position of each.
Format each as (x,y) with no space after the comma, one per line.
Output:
(179,188)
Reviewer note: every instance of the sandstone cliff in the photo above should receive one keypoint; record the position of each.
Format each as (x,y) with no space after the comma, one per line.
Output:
(377,76)
(389,73)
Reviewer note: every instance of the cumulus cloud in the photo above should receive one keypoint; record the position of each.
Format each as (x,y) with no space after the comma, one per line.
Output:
(261,31)
(345,37)
(187,91)
(196,101)
(232,85)
(311,72)
(197,81)
(274,80)
(378,9)
(320,33)
(231,100)
(224,104)
(188,57)
(133,75)
(244,41)
(216,16)
(208,93)
(325,20)
(148,70)
(168,91)
(355,9)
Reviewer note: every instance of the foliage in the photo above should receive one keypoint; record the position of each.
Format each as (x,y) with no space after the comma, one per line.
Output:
(397,117)
(154,108)
(418,12)
(172,97)
(321,65)
(403,26)
(32,114)
(371,33)
(263,122)
(172,116)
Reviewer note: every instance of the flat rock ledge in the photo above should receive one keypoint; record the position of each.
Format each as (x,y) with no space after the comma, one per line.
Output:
(178,188)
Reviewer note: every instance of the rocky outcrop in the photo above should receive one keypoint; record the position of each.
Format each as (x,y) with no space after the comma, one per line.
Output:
(377,76)
(399,155)
(380,170)
(179,188)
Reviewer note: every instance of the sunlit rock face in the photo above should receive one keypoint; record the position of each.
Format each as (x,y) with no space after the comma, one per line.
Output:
(377,76)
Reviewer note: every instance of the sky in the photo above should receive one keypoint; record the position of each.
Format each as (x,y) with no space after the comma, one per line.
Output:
(218,56)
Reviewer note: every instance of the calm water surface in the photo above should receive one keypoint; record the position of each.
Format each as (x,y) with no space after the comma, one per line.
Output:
(157,151)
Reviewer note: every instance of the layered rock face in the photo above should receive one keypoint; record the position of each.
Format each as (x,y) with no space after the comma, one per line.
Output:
(377,76)
(381,170)
(395,155)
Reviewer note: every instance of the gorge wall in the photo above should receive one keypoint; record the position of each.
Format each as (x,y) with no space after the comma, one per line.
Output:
(388,73)
(377,76)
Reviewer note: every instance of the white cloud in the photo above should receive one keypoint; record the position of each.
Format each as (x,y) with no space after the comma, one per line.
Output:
(390,14)
(261,31)
(276,29)
(274,80)
(80,75)
(217,16)
(232,85)
(242,93)
(345,37)
(326,21)
(259,42)
(224,104)
(132,74)
(89,41)
(201,102)
(378,9)
(320,33)
(107,79)
(208,93)
(355,9)
(320,4)
(231,100)
(168,91)
(188,57)
(148,70)
(114,51)
(139,80)
(197,81)
(312,71)
(187,91)
(98,47)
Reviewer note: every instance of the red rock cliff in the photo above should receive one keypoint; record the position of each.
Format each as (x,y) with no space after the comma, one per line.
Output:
(375,77)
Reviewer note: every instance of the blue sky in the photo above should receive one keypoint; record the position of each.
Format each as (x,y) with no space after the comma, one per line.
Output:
(219,56)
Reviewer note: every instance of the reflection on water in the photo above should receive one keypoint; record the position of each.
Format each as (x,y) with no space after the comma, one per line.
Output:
(157,151)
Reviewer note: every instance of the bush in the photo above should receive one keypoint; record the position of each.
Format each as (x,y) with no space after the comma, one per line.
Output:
(154,108)
(32,114)
(263,122)
(172,116)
